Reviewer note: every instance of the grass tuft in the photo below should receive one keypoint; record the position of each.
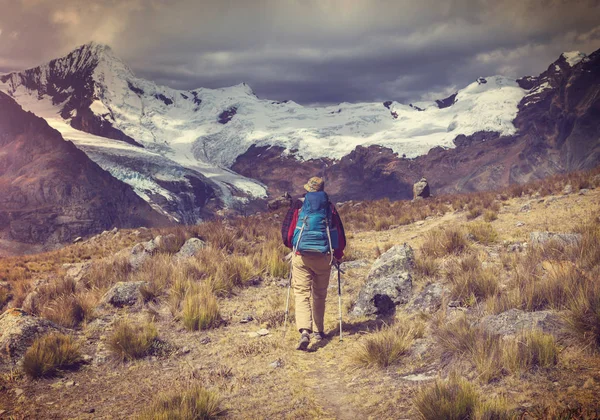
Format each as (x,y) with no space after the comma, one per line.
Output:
(454,398)
(49,354)
(193,403)
(129,342)
(200,309)
(387,346)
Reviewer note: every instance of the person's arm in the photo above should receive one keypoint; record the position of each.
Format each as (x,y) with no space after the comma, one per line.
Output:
(338,253)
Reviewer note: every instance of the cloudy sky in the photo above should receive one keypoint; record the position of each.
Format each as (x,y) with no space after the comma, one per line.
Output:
(310,51)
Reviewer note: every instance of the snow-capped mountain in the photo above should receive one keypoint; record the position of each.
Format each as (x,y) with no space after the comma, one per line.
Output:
(148,135)
(176,147)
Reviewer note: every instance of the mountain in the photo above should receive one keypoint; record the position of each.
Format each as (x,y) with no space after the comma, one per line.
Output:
(51,192)
(555,129)
(189,153)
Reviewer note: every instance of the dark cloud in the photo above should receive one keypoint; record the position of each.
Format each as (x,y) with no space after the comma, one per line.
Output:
(310,51)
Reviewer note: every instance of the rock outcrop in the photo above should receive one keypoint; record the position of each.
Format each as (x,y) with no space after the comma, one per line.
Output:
(190,248)
(18,330)
(124,294)
(541,238)
(389,283)
(421,189)
(515,321)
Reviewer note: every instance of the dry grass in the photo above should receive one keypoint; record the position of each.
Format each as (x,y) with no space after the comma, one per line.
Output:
(490,215)
(129,341)
(531,349)
(470,280)
(200,309)
(51,353)
(454,398)
(483,233)
(388,345)
(442,242)
(194,402)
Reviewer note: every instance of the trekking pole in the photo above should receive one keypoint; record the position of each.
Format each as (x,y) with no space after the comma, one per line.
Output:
(339,270)
(287,301)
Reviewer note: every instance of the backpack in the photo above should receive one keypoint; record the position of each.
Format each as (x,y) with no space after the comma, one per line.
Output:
(314,231)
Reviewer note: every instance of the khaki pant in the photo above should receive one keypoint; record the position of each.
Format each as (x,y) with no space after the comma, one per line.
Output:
(310,278)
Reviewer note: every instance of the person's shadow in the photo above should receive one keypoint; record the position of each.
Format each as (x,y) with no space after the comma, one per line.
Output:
(350,328)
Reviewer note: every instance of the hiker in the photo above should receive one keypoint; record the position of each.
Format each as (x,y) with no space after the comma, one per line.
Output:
(314,231)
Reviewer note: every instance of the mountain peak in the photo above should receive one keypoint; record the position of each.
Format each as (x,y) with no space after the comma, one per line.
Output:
(573,57)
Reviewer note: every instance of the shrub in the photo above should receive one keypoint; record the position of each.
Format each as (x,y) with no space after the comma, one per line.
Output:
(470,279)
(529,350)
(495,409)
(129,342)
(426,267)
(386,346)
(193,403)
(490,216)
(474,213)
(103,274)
(442,242)
(70,310)
(483,233)
(455,339)
(454,398)
(200,309)
(49,354)
(584,314)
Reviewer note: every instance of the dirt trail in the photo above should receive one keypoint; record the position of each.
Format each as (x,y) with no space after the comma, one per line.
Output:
(331,391)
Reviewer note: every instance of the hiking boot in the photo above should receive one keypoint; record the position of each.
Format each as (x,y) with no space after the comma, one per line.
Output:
(318,336)
(304,341)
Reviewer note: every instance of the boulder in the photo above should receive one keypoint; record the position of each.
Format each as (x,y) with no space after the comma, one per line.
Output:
(141,252)
(421,189)
(389,283)
(124,294)
(76,271)
(428,300)
(540,238)
(515,321)
(280,202)
(18,330)
(190,248)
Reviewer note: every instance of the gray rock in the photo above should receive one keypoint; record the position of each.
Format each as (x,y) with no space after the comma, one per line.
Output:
(540,238)
(514,321)
(421,189)
(428,300)
(520,224)
(568,189)
(263,332)
(276,364)
(76,271)
(525,207)
(388,284)
(141,253)
(124,294)
(516,247)
(78,239)
(583,191)
(190,248)
(18,330)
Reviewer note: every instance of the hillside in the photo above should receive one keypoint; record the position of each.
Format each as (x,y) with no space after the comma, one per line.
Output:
(51,192)
(478,259)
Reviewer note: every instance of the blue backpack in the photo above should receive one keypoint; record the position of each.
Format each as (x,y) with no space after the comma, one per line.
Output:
(314,231)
